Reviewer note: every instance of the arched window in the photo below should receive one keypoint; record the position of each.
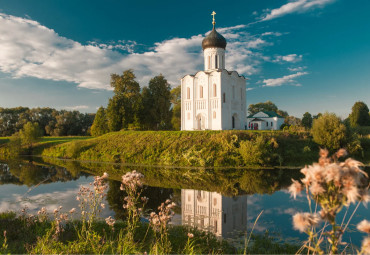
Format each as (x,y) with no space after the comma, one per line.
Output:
(224,97)
(209,62)
(200,91)
(214,115)
(216,64)
(188,93)
(233,122)
(214,90)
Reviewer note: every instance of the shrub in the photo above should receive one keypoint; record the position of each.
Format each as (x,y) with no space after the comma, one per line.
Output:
(329,131)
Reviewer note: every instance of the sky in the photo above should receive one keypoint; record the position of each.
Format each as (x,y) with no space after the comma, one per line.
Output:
(303,55)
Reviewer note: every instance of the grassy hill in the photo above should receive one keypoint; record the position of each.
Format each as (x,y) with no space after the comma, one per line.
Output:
(192,148)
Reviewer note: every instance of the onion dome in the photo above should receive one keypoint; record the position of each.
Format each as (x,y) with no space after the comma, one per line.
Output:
(214,40)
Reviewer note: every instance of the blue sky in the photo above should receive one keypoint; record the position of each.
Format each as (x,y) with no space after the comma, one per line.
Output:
(304,55)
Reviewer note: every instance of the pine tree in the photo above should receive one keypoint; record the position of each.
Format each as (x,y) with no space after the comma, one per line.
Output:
(100,125)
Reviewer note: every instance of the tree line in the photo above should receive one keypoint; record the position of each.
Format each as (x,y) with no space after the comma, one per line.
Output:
(50,121)
(155,107)
(359,117)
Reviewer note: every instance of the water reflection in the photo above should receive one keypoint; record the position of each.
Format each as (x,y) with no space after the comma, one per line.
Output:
(222,201)
(211,211)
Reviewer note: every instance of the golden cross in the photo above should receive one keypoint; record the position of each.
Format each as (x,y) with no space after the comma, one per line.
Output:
(213,14)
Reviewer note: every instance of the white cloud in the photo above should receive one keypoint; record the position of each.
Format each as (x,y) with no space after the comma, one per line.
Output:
(294,6)
(285,80)
(297,69)
(29,49)
(292,58)
(77,107)
(271,33)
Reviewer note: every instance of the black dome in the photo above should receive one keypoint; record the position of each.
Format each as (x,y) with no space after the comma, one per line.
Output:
(214,40)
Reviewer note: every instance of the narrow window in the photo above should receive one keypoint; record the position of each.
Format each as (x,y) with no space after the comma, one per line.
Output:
(214,201)
(214,90)
(223,61)
(189,198)
(224,97)
(209,62)
(188,115)
(267,124)
(188,93)
(201,91)
(271,123)
(216,64)
(214,115)
(224,217)
(233,122)
(215,223)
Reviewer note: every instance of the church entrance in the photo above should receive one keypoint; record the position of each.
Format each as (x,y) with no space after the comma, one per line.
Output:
(235,124)
(201,122)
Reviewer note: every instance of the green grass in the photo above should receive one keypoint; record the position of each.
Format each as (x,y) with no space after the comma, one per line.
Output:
(192,148)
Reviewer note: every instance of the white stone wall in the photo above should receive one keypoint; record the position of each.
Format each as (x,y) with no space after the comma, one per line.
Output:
(210,56)
(234,89)
(205,106)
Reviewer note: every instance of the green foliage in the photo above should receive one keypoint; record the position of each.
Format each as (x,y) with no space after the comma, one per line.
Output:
(30,133)
(176,108)
(307,120)
(100,125)
(189,148)
(156,100)
(257,151)
(123,108)
(51,121)
(266,106)
(359,115)
(329,132)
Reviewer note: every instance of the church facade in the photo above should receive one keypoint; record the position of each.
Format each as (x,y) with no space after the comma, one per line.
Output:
(213,99)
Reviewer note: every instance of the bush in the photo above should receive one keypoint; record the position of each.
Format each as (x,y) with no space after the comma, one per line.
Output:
(329,131)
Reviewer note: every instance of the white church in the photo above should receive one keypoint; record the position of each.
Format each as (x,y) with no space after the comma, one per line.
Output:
(213,99)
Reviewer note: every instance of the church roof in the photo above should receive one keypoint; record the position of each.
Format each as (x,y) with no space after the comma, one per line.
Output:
(214,40)
(270,114)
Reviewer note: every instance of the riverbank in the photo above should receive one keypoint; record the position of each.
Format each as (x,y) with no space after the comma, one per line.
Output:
(234,148)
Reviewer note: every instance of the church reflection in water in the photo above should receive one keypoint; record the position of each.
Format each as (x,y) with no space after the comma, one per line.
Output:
(213,212)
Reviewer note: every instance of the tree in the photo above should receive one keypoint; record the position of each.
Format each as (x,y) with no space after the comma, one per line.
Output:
(176,107)
(266,106)
(160,91)
(329,131)
(146,120)
(100,125)
(292,121)
(123,108)
(30,133)
(307,120)
(156,104)
(360,115)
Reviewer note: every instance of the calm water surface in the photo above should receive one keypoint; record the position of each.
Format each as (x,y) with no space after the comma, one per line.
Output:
(223,201)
